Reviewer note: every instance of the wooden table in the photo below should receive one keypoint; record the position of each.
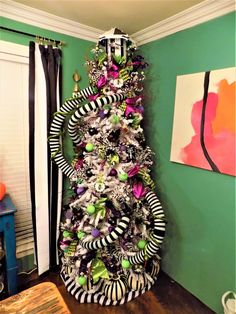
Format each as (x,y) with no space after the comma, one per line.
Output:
(40,299)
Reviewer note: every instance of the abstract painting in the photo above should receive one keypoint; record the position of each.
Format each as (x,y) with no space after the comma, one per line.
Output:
(204,121)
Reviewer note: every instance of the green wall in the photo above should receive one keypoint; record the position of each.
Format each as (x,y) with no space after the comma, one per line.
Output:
(200,241)
(199,246)
(74,57)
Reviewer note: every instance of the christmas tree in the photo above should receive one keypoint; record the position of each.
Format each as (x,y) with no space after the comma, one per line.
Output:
(114,223)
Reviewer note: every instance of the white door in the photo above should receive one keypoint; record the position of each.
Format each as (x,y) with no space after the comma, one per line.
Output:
(14,159)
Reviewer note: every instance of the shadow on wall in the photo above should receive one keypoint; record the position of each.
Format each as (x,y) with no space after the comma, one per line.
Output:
(151,117)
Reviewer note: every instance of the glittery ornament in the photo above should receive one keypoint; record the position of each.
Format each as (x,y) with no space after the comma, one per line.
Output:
(102,114)
(115,119)
(67,234)
(81,280)
(89,147)
(123,176)
(141,244)
(80,190)
(95,233)
(99,186)
(118,83)
(81,234)
(89,172)
(92,131)
(113,172)
(91,209)
(125,264)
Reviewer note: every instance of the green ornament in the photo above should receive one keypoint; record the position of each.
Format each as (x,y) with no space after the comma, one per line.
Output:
(89,147)
(81,280)
(81,234)
(66,234)
(125,264)
(91,209)
(141,244)
(115,119)
(123,176)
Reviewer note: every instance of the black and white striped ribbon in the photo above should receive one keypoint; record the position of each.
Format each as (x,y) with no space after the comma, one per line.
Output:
(156,240)
(153,245)
(56,126)
(108,239)
(98,297)
(83,110)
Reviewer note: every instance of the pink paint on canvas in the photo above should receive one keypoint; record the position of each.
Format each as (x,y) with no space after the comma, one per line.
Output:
(219,131)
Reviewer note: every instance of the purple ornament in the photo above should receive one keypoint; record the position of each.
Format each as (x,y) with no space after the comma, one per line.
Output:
(95,233)
(110,229)
(123,148)
(113,172)
(102,114)
(80,190)
(68,215)
(140,109)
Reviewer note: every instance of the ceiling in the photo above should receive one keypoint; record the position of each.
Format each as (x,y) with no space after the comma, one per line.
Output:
(130,16)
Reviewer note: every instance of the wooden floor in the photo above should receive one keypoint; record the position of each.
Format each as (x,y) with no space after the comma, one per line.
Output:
(165,297)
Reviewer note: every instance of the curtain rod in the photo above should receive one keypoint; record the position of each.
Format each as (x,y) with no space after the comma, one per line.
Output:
(58,42)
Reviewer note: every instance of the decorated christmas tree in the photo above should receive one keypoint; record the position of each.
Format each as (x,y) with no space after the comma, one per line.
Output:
(114,224)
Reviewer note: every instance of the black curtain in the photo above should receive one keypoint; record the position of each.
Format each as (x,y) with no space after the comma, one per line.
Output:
(51,60)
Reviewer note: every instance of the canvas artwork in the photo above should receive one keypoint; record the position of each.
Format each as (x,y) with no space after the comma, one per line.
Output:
(204,121)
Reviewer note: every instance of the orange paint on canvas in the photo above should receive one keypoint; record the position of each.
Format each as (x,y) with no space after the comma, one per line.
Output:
(225,113)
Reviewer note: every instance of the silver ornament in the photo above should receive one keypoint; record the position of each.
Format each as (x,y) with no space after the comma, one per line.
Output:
(99,186)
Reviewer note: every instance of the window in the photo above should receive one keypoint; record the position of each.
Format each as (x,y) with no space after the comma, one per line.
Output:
(14,160)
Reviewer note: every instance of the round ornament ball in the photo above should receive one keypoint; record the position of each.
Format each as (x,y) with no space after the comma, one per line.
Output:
(102,114)
(92,131)
(123,176)
(80,190)
(80,234)
(95,233)
(91,209)
(2,190)
(115,119)
(89,172)
(81,280)
(89,147)
(113,172)
(125,264)
(66,234)
(141,244)
(99,186)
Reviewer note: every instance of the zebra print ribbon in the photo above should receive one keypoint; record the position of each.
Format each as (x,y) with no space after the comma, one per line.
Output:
(113,236)
(55,130)
(83,110)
